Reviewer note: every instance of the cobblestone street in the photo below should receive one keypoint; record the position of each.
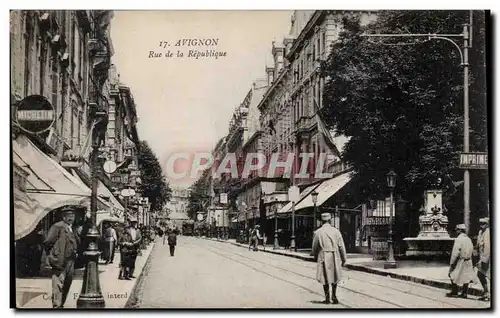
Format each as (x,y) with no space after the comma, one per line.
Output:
(208,274)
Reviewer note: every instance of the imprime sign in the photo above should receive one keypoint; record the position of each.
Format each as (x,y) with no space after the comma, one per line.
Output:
(474,160)
(35,114)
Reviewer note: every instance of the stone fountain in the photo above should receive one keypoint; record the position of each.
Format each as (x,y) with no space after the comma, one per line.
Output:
(433,239)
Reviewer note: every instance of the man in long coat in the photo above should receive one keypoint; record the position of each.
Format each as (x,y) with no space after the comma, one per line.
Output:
(483,248)
(461,270)
(62,245)
(329,252)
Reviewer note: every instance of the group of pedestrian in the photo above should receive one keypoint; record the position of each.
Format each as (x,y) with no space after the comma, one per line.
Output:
(461,270)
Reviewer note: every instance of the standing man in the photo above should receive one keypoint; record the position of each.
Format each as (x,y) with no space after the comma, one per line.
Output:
(329,252)
(461,271)
(110,239)
(61,245)
(136,236)
(255,237)
(172,241)
(126,252)
(483,248)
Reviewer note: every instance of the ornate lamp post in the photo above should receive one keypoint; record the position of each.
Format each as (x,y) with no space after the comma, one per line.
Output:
(314,196)
(391,183)
(91,295)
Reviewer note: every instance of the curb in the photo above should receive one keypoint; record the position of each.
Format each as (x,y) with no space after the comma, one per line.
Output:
(423,281)
(366,269)
(136,293)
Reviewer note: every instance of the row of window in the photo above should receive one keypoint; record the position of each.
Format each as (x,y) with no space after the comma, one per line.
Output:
(42,74)
(307,58)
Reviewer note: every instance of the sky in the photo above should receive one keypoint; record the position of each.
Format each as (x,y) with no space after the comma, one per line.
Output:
(184,103)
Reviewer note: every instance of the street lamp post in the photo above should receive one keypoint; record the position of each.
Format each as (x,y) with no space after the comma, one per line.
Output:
(91,295)
(314,196)
(391,183)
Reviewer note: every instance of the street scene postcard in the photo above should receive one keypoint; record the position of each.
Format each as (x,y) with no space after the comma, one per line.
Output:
(321,159)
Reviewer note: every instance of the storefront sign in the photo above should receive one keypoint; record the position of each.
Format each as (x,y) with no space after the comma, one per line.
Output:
(109,166)
(223,198)
(35,114)
(474,160)
(293,193)
(377,220)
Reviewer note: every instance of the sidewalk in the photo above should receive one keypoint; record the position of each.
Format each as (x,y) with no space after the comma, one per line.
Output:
(423,272)
(36,292)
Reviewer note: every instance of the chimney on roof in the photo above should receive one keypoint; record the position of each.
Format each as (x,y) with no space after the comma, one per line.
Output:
(270,75)
(278,58)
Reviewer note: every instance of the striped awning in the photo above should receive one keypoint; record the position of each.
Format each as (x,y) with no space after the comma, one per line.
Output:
(48,186)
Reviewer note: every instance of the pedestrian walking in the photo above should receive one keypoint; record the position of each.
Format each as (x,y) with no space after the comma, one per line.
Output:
(328,250)
(136,236)
(461,270)
(110,241)
(483,248)
(126,252)
(255,237)
(61,245)
(172,241)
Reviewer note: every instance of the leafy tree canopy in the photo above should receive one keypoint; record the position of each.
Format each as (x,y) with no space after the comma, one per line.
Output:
(198,197)
(154,185)
(402,105)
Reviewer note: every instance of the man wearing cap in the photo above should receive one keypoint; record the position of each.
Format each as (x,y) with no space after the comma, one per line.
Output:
(61,245)
(483,247)
(136,236)
(461,271)
(329,252)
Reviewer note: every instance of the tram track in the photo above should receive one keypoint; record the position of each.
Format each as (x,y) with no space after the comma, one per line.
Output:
(341,286)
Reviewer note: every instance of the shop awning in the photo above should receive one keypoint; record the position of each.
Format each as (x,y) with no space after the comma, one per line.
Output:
(48,186)
(326,190)
(108,200)
(117,207)
(288,207)
(102,204)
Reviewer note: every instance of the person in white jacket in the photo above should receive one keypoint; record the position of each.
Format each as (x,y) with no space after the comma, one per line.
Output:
(461,270)
(328,250)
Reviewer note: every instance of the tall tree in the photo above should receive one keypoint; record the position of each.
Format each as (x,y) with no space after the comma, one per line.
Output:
(199,196)
(154,185)
(400,100)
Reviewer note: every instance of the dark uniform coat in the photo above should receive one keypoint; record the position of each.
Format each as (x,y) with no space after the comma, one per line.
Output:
(483,247)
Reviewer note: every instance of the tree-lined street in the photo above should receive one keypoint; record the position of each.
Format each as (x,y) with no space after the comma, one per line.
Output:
(209,274)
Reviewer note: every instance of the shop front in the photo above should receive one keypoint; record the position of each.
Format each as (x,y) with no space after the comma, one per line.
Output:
(317,199)
(41,188)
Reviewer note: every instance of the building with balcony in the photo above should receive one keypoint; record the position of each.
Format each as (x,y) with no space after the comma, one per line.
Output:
(61,58)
